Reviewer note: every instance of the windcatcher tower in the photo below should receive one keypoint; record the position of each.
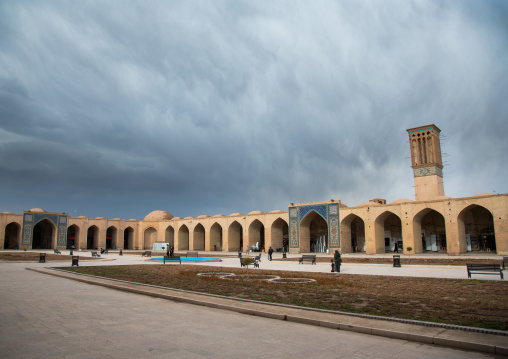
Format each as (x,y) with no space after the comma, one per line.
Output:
(426,162)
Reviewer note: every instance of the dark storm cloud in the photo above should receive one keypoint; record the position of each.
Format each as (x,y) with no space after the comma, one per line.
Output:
(202,107)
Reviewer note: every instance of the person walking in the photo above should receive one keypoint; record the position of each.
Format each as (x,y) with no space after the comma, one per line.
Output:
(270,252)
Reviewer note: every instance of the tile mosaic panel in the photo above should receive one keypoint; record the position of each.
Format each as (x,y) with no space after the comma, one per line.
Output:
(319,208)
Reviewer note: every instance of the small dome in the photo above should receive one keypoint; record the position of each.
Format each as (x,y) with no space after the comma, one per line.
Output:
(132,219)
(6,212)
(174,218)
(203,216)
(189,217)
(100,217)
(256,212)
(218,215)
(277,211)
(37,210)
(158,215)
(117,219)
(369,204)
(402,200)
(81,217)
(236,214)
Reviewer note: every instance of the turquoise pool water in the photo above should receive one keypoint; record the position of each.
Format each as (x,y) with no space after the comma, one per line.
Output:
(184,259)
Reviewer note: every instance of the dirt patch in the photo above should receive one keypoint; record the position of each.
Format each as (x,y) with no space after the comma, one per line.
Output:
(476,303)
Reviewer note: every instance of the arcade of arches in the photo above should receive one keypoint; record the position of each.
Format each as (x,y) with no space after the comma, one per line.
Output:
(452,226)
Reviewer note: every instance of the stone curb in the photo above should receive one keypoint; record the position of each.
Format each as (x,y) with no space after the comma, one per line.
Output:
(112,284)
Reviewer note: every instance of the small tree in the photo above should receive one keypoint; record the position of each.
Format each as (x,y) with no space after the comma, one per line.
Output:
(409,249)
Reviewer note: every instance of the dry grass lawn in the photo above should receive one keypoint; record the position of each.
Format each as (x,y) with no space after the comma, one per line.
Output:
(477,303)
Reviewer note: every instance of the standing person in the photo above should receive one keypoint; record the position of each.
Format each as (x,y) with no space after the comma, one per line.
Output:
(396,249)
(167,252)
(336,258)
(270,252)
(171,252)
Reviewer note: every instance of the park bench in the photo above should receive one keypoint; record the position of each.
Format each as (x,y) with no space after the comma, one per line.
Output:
(56,251)
(505,262)
(172,259)
(307,258)
(95,254)
(147,254)
(192,254)
(484,269)
(255,263)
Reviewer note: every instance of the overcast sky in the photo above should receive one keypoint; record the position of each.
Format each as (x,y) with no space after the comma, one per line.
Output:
(119,108)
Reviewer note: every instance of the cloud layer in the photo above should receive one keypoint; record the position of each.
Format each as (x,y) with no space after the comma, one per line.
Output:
(196,107)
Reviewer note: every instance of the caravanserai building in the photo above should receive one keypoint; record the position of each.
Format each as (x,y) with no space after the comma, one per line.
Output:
(433,222)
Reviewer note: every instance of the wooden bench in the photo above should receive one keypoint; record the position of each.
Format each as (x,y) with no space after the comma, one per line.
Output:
(56,251)
(95,254)
(484,269)
(147,254)
(307,258)
(192,254)
(255,262)
(172,259)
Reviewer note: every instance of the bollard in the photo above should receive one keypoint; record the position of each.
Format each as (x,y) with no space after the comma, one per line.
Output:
(284,255)
(70,253)
(121,253)
(396,261)
(75,260)
(42,258)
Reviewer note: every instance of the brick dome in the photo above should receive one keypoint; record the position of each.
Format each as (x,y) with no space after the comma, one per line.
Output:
(158,215)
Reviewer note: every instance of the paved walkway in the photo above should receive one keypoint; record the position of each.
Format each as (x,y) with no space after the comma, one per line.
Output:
(429,271)
(45,316)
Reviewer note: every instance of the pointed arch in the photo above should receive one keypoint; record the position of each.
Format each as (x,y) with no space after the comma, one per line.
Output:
(279,235)
(235,237)
(313,233)
(169,236)
(476,229)
(429,231)
(352,234)
(73,237)
(12,237)
(198,238)
(216,237)
(128,238)
(44,235)
(111,238)
(183,238)
(92,237)
(257,234)
(149,237)
(388,231)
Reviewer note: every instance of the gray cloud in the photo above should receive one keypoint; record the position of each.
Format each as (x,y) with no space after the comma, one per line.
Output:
(229,106)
